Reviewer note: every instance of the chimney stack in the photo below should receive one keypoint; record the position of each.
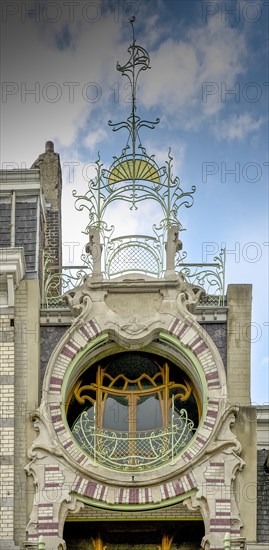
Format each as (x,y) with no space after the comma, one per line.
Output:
(51,180)
(49,146)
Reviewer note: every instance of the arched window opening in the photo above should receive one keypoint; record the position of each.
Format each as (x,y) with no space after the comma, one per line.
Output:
(133,411)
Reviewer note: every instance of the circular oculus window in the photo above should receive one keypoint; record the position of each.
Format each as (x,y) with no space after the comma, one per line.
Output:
(133,411)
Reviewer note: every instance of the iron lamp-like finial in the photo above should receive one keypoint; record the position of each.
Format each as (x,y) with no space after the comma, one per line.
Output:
(138,61)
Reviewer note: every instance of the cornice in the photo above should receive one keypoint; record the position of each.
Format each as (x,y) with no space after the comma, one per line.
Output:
(27,180)
(12,271)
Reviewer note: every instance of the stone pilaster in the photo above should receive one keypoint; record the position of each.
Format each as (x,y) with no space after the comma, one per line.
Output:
(238,343)
(27,342)
(12,271)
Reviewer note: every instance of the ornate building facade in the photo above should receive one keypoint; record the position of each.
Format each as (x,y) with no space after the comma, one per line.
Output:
(126,419)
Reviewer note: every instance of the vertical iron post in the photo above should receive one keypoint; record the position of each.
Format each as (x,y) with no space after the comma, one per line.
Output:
(94,433)
(172,427)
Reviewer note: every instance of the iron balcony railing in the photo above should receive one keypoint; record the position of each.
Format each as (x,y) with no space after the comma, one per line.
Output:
(136,451)
(57,280)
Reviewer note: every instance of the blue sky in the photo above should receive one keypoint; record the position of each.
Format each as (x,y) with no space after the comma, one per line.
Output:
(208,83)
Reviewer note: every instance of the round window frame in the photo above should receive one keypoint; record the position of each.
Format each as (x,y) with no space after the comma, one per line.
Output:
(179,341)
(154,350)
(89,356)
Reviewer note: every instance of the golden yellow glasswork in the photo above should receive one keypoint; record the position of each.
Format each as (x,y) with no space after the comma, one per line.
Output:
(134,169)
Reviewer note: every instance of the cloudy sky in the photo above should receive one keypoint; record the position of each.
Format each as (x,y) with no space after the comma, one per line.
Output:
(208,83)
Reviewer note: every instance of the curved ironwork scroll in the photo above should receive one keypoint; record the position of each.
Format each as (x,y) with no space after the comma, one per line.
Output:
(138,452)
(211,277)
(133,177)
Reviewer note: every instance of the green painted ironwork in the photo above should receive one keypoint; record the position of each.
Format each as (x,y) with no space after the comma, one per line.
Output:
(133,452)
(211,276)
(128,255)
(134,253)
(133,177)
(134,168)
(102,192)
(57,280)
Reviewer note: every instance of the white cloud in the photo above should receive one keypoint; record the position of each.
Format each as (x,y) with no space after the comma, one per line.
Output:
(237,127)
(84,76)
(177,153)
(187,75)
(95,137)
(169,84)
(67,85)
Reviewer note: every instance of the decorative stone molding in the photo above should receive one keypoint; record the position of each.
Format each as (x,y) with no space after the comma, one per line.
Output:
(202,476)
(79,301)
(12,271)
(263,427)
(187,296)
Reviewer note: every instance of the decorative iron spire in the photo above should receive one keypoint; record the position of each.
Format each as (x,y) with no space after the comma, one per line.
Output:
(134,177)
(138,61)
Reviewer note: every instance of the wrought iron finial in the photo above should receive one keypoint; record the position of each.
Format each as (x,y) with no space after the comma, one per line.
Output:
(134,177)
(132,21)
(138,61)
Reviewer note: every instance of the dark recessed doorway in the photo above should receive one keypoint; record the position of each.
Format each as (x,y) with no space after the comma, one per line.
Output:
(133,535)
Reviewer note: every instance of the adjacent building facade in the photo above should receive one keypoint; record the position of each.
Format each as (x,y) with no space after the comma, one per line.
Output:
(126,419)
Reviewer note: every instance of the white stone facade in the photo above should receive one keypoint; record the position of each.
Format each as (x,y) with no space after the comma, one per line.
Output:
(202,477)
(46,478)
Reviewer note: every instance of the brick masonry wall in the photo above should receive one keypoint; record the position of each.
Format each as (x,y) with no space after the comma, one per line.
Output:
(6,427)
(262,498)
(169,512)
(218,333)
(53,236)
(21,304)
(49,338)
